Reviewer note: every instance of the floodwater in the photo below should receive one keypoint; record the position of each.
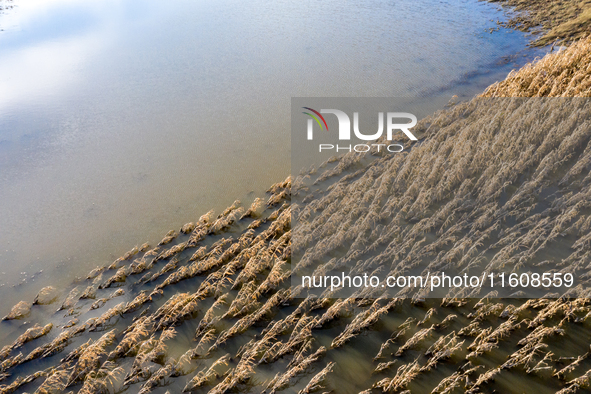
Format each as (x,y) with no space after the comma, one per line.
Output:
(121,120)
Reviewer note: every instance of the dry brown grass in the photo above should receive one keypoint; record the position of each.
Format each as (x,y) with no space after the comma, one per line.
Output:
(566,73)
(89,359)
(19,311)
(556,19)
(55,382)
